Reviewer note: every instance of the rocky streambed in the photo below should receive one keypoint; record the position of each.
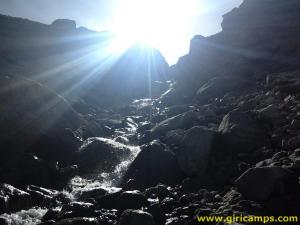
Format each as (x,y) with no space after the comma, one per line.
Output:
(236,154)
(222,140)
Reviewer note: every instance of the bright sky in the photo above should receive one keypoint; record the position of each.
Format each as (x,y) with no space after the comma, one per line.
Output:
(166,24)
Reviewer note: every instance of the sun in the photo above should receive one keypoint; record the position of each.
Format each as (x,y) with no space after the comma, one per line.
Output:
(162,24)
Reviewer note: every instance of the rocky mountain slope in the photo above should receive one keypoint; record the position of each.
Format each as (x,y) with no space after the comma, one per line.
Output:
(223,140)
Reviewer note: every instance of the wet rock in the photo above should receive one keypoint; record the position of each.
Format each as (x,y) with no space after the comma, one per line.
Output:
(13,199)
(61,198)
(259,184)
(100,154)
(51,215)
(78,221)
(194,152)
(92,193)
(136,217)
(240,132)
(160,191)
(76,209)
(158,163)
(40,196)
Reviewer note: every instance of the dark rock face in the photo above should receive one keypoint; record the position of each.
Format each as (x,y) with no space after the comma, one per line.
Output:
(135,75)
(110,76)
(33,114)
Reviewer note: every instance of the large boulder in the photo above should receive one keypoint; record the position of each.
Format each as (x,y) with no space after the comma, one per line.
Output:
(154,164)
(195,150)
(218,87)
(240,132)
(260,184)
(182,121)
(33,118)
(100,154)
(13,199)
(136,217)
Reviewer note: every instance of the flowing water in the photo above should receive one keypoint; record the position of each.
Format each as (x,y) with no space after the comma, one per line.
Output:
(104,180)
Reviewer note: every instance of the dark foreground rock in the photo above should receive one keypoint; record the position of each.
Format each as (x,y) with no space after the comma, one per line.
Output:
(166,169)
(136,217)
(195,149)
(260,184)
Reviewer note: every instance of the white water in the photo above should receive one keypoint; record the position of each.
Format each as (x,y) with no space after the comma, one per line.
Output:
(25,217)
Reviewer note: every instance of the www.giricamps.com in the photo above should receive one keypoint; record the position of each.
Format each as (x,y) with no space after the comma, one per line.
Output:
(248,219)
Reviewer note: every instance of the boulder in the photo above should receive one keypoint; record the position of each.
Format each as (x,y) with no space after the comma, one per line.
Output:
(136,217)
(270,114)
(100,154)
(181,121)
(132,200)
(76,209)
(260,184)
(174,137)
(34,118)
(195,150)
(218,87)
(240,132)
(158,213)
(13,199)
(154,164)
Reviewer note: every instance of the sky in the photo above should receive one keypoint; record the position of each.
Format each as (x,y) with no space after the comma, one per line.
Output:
(174,22)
